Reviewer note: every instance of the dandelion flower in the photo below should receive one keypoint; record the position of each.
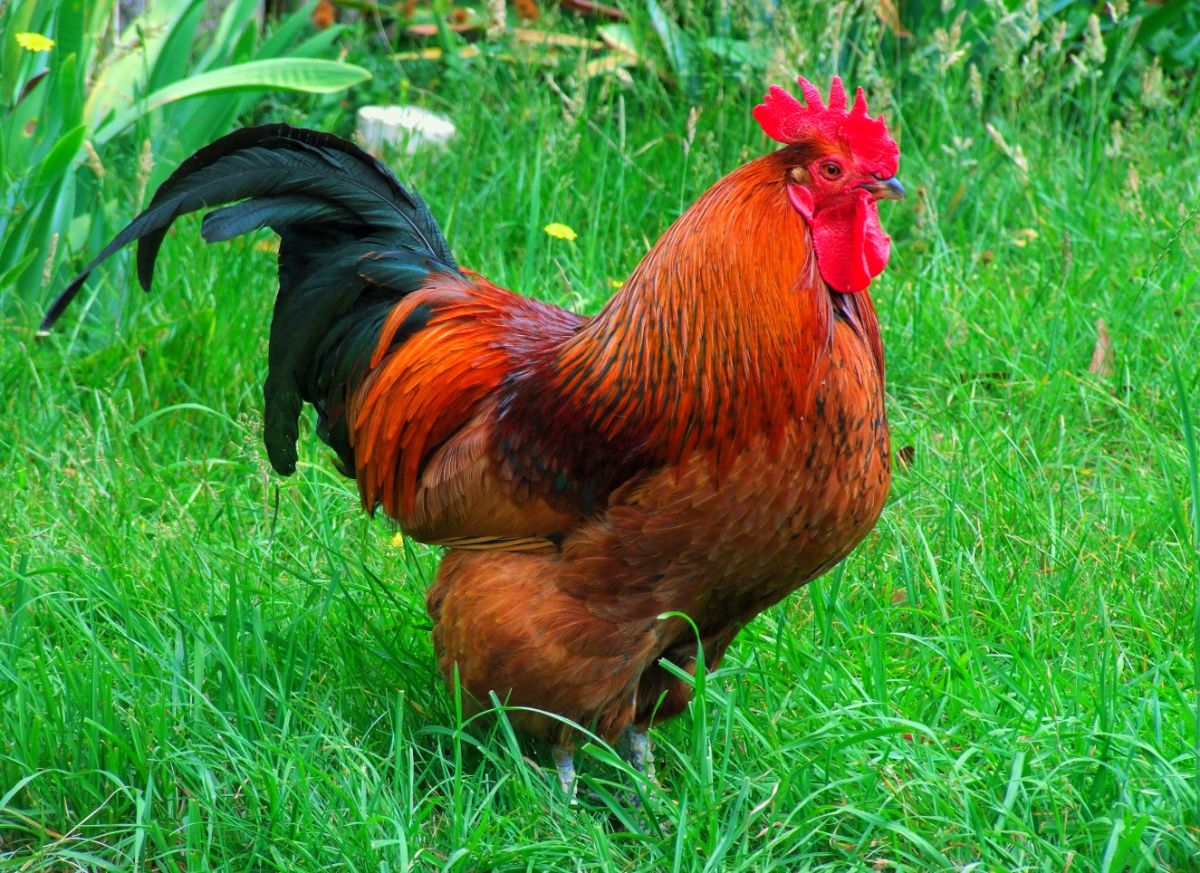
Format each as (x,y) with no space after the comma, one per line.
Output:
(560,231)
(398,540)
(34,42)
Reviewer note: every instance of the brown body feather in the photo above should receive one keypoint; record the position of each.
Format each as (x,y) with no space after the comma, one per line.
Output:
(710,441)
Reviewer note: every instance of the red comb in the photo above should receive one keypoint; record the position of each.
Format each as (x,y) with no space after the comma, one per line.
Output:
(786,120)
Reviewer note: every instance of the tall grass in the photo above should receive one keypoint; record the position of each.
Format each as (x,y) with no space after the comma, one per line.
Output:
(204,666)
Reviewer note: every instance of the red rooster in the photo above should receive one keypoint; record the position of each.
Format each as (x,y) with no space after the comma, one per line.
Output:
(710,441)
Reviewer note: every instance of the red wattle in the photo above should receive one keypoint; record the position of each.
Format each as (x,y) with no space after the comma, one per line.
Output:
(851,246)
(877,245)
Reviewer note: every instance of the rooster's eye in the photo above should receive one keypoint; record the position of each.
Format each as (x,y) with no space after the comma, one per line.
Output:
(830,170)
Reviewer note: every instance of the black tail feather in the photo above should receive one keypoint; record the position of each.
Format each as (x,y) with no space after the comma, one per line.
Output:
(346,226)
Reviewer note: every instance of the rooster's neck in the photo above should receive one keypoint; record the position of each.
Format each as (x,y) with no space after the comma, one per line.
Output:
(718,331)
(734,275)
(740,247)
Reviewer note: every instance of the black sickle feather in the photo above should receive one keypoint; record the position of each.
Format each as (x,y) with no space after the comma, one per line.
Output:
(351,237)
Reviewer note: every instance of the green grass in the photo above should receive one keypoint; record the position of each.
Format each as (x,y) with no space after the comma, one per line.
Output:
(203,666)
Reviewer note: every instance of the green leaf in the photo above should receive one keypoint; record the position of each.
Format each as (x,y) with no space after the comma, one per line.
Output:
(59,158)
(69,28)
(9,277)
(68,98)
(243,48)
(738,52)
(173,60)
(11,55)
(286,32)
(680,49)
(238,16)
(306,75)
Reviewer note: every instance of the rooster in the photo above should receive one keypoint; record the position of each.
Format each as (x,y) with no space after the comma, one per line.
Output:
(711,440)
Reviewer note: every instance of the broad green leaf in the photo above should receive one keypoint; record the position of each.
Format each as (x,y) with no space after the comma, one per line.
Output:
(175,58)
(68,90)
(244,46)
(306,75)
(60,156)
(69,26)
(27,135)
(77,231)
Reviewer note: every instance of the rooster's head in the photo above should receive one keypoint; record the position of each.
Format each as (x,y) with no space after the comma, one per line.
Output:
(838,163)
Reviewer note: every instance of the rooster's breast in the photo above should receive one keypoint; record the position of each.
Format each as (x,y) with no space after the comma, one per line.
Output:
(723,548)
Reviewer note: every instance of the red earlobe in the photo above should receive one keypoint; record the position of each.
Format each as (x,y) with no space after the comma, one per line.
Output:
(802,200)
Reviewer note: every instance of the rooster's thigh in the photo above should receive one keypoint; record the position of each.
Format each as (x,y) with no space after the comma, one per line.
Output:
(501,619)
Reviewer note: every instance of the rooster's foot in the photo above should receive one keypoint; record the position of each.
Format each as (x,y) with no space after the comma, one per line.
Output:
(634,748)
(564,762)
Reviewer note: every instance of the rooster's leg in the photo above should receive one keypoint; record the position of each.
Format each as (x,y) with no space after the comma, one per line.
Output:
(564,761)
(634,749)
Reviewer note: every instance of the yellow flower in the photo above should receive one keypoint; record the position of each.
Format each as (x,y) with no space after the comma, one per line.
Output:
(34,42)
(398,540)
(560,231)
(615,283)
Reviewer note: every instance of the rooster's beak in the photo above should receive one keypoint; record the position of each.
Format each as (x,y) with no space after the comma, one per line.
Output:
(885,189)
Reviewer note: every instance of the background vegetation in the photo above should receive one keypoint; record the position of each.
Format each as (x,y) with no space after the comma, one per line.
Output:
(203,666)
